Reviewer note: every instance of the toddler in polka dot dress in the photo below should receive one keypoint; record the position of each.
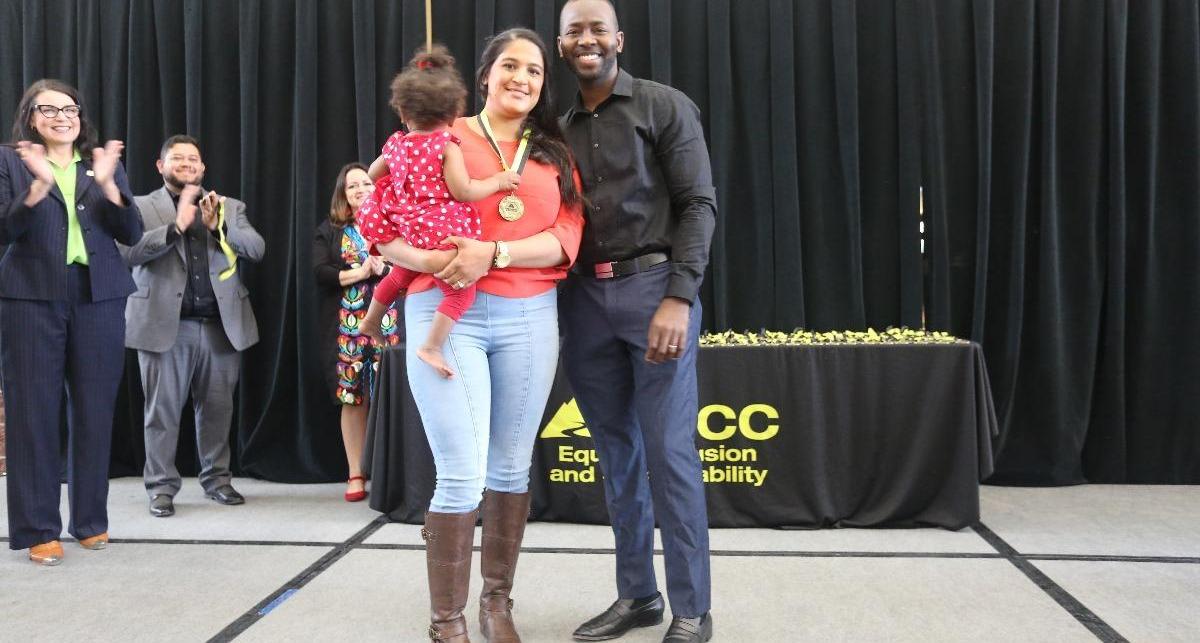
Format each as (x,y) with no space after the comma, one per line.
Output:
(423,191)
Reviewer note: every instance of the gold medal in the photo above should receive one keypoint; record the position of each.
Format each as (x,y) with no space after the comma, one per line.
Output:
(511,208)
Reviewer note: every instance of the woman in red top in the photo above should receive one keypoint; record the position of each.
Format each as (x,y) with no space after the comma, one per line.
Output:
(481,424)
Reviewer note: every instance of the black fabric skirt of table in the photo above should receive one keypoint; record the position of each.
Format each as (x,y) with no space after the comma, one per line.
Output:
(895,435)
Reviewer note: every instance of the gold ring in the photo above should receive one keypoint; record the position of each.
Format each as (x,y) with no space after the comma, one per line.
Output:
(673,347)
(459,284)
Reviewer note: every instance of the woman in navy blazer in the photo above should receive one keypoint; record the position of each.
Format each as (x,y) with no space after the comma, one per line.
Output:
(63,203)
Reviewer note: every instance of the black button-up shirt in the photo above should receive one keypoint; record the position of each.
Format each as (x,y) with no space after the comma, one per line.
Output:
(199,300)
(646,172)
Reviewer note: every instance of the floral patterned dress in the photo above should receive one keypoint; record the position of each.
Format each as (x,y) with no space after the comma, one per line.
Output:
(355,351)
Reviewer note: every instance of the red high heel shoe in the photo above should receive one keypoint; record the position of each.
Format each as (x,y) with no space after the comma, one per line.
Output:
(356,496)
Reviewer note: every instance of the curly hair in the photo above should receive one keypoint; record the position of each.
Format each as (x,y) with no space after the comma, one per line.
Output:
(429,91)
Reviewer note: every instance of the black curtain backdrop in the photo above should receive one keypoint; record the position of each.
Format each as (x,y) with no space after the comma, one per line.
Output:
(1053,144)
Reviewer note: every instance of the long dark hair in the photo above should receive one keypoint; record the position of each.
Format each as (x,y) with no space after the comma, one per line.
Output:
(339,208)
(546,143)
(23,130)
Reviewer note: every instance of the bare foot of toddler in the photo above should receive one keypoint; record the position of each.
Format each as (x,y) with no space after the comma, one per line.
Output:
(432,355)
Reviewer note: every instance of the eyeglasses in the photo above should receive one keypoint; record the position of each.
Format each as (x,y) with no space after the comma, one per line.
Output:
(51,111)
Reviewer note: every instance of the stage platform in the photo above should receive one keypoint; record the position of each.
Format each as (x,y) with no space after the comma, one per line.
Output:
(297,563)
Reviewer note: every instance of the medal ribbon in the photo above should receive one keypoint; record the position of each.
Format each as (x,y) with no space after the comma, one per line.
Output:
(230,255)
(518,164)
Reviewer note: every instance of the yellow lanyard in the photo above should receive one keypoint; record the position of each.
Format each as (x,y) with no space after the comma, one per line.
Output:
(230,255)
(522,149)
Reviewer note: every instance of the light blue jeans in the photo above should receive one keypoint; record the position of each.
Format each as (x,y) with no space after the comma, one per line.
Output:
(481,424)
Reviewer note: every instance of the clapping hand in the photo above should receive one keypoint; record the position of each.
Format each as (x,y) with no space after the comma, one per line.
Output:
(34,157)
(186,213)
(104,162)
(370,267)
(210,207)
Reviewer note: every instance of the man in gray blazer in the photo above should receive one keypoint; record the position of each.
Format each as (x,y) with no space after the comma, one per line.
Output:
(189,320)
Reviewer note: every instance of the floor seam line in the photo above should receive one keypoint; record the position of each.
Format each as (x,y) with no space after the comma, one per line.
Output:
(256,613)
(1115,558)
(731,553)
(217,542)
(1073,606)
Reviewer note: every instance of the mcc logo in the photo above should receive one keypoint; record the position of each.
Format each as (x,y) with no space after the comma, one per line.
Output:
(714,423)
(567,422)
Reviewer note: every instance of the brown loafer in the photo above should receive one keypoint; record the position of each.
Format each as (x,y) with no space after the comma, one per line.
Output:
(47,554)
(99,541)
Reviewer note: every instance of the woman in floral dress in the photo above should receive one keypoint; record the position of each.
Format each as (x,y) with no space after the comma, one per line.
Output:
(346,275)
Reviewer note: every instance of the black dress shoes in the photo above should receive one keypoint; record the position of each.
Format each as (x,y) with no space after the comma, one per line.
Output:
(226,495)
(689,630)
(162,506)
(622,616)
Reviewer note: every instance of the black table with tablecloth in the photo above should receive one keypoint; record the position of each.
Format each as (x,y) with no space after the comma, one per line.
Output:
(823,435)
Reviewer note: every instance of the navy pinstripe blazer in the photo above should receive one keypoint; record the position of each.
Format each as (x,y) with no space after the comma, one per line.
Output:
(34,265)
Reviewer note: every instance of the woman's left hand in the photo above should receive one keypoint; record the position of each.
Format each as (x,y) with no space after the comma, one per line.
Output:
(472,262)
(33,156)
(104,161)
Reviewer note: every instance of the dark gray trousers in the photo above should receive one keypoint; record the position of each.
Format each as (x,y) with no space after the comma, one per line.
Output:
(204,363)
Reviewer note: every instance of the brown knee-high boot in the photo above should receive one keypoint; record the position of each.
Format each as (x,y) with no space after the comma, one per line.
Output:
(504,516)
(448,539)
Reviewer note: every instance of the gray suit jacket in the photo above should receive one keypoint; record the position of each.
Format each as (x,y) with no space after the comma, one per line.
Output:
(160,271)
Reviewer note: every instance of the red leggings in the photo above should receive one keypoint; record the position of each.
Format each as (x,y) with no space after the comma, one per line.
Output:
(454,304)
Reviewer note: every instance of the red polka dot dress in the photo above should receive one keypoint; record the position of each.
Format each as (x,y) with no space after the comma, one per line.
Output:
(412,202)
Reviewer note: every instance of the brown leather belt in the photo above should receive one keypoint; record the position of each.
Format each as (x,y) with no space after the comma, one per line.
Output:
(610,269)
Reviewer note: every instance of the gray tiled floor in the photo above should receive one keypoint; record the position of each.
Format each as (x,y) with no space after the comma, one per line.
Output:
(1142,601)
(136,592)
(278,512)
(1145,520)
(842,585)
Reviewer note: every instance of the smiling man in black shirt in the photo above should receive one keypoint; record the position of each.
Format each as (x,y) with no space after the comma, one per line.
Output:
(631,315)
